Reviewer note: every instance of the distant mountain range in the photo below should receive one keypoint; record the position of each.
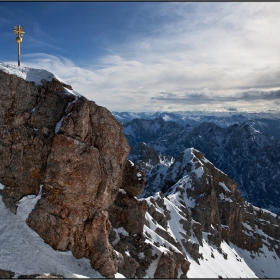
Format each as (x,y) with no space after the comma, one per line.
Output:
(267,123)
(239,146)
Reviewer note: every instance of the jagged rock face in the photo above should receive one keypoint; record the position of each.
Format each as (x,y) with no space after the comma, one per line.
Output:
(83,175)
(77,151)
(27,133)
(146,157)
(129,213)
(133,181)
(209,202)
(168,266)
(127,216)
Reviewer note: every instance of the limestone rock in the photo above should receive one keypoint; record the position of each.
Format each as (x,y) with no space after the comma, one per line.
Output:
(168,265)
(129,213)
(136,252)
(133,181)
(209,202)
(27,129)
(83,174)
(77,151)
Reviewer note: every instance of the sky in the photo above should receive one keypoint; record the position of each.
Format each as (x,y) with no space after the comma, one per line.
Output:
(154,56)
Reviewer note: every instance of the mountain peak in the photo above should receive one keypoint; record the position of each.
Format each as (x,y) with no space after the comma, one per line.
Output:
(36,76)
(201,206)
(27,73)
(71,149)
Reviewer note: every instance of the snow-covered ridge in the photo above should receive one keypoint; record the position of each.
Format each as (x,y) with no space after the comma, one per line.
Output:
(228,261)
(176,220)
(37,76)
(33,75)
(23,251)
(27,73)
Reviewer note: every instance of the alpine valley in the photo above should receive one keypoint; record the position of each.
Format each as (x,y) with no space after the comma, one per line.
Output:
(166,195)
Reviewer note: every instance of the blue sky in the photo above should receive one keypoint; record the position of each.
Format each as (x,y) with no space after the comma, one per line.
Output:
(148,56)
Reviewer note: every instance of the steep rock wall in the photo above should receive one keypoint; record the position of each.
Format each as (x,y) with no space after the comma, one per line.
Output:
(76,150)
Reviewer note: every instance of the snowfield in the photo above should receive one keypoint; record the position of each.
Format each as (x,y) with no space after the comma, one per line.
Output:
(238,263)
(23,251)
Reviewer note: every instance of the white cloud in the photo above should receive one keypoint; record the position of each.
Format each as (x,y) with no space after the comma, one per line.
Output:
(214,50)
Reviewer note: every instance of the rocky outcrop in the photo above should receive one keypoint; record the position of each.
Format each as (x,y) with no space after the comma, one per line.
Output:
(133,180)
(77,151)
(209,202)
(147,158)
(169,264)
(5,274)
(28,116)
(129,213)
(232,218)
(127,216)
(83,174)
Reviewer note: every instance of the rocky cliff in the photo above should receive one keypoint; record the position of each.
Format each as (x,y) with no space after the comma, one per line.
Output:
(76,151)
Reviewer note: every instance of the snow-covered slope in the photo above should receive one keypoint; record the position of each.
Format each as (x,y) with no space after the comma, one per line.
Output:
(33,75)
(24,252)
(28,74)
(203,216)
(228,260)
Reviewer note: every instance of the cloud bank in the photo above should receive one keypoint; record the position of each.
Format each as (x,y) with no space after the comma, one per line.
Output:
(196,56)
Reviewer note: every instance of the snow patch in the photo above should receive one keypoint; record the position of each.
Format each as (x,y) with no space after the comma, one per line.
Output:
(119,275)
(199,172)
(27,73)
(119,231)
(23,251)
(27,203)
(58,125)
(222,184)
(33,75)
(141,255)
(122,191)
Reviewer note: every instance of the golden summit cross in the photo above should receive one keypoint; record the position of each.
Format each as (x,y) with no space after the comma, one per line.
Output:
(18,30)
